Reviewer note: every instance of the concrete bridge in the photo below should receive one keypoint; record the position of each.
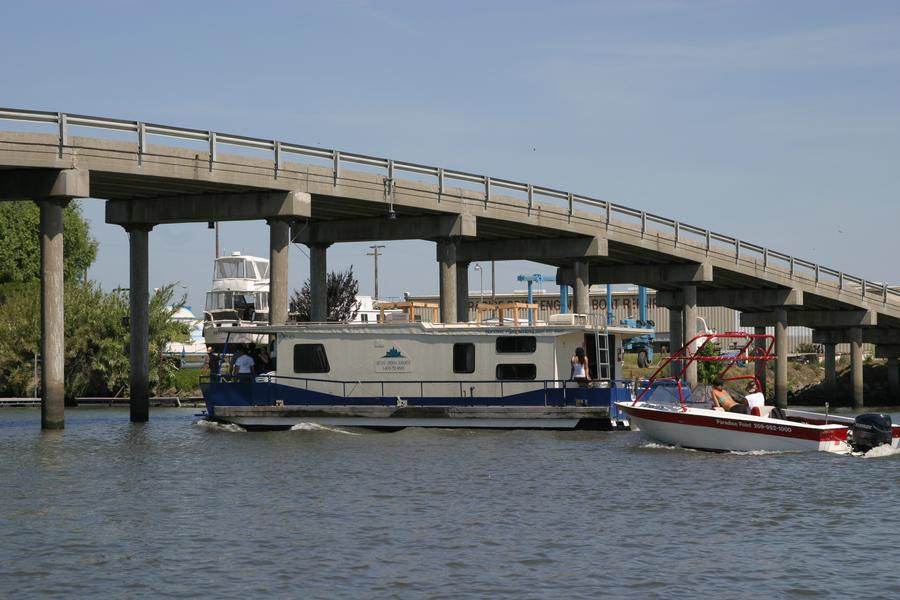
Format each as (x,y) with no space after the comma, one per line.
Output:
(320,196)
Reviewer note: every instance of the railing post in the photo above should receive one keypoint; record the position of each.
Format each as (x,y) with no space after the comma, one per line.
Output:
(862,287)
(737,251)
(337,166)
(708,241)
(530,197)
(677,231)
(63,132)
(765,259)
(608,213)
(841,280)
(487,191)
(440,181)
(212,149)
(277,157)
(571,202)
(643,222)
(142,141)
(792,266)
(817,274)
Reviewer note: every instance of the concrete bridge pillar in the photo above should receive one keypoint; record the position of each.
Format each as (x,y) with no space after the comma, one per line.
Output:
(781,346)
(52,318)
(689,314)
(139,321)
(676,338)
(830,366)
(761,345)
(856,366)
(318,282)
(446,255)
(279,242)
(893,377)
(462,292)
(582,287)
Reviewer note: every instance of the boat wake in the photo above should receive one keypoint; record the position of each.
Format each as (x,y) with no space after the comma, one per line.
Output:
(658,446)
(881,452)
(214,426)
(318,427)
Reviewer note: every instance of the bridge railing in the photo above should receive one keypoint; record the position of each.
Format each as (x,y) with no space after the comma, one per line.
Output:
(795,267)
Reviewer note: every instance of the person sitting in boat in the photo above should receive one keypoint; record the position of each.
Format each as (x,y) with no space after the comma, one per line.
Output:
(722,399)
(580,371)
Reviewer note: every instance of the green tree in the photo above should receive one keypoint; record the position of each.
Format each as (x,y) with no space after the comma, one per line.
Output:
(20,252)
(708,370)
(341,291)
(96,339)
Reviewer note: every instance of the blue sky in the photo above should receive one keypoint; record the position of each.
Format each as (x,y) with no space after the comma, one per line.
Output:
(777,122)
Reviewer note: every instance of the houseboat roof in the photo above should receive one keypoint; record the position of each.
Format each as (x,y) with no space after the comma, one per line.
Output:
(434,328)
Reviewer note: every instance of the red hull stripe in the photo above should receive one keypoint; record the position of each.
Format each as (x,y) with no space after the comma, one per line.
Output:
(724,422)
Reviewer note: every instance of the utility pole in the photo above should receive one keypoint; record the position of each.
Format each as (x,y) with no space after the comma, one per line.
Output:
(374,253)
(215,225)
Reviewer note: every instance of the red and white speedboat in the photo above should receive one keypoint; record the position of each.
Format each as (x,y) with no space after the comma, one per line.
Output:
(664,411)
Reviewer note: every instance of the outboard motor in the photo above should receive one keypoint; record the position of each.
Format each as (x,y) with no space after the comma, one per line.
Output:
(870,430)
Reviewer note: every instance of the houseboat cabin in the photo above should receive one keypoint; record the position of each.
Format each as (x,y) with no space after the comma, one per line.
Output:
(398,374)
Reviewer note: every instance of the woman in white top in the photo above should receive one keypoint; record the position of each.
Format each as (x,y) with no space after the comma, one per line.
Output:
(580,371)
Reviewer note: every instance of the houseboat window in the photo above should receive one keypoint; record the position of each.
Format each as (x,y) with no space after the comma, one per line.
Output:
(516,343)
(310,358)
(230,269)
(516,371)
(463,358)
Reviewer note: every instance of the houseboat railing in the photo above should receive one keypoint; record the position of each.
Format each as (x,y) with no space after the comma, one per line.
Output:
(347,388)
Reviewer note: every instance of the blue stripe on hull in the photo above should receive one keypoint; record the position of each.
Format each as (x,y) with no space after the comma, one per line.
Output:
(266,394)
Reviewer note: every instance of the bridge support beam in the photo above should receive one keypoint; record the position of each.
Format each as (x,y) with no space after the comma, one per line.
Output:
(856,366)
(761,345)
(279,241)
(830,366)
(689,313)
(547,250)
(893,377)
(676,338)
(139,321)
(582,287)
(52,317)
(51,189)
(462,291)
(318,283)
(781,346)
(446,255)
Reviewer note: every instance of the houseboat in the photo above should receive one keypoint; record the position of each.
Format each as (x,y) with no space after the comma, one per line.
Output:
(395,374)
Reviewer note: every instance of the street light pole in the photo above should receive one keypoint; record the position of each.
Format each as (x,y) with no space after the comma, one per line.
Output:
(481,277)
(374,253)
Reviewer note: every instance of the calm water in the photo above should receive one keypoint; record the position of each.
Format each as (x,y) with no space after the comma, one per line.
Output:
(175,509)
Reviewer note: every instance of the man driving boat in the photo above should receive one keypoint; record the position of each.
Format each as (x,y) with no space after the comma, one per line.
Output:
(723,399)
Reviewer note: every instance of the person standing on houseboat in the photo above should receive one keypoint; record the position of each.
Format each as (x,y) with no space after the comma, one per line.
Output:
(243,367)
(580,370)
(211,363)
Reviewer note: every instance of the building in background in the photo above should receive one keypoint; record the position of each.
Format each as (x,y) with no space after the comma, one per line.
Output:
(625,305)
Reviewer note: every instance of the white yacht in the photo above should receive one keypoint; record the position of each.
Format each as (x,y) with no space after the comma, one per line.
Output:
(239,298)
(192,352)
